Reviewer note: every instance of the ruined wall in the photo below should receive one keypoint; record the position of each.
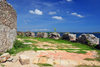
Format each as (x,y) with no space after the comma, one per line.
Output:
(8,23)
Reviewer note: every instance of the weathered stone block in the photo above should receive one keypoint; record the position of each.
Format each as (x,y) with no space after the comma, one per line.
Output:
(24,59)
(88,39)
(42,34)
(54,35)
(70,37)
(8,25)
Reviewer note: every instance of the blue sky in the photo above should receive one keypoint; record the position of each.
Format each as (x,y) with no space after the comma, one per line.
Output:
(64,15)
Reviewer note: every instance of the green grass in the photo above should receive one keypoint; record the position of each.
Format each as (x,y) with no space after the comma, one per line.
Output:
(87,66)
(18,47)
(44,65)
(45,45)
(2,65)
(30,41)
(89,59)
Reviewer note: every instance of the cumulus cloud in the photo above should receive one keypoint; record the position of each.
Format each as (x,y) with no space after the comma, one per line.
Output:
(57,17)
(40,30)
(68,0)
(36,11)
(52,13)
(78,15)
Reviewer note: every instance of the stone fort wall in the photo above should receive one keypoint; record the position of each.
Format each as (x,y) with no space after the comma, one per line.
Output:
(8,26)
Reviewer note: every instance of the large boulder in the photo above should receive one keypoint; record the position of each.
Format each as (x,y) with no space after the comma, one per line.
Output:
(20,34)
(30,34)
(70,37)
(42,34)
(88,39)
(8,26)
(54,35)
(24,59)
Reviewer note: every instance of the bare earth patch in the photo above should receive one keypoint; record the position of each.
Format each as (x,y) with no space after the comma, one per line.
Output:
(56,58)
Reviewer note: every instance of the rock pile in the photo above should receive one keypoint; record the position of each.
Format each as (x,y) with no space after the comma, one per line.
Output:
(42,34)
(70,37)
(88,39)
(54,35)
(24,59)
(29,34)
(8,21)
(20,34)
(4,57)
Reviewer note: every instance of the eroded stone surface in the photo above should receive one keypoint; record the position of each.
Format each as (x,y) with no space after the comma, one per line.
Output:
(8,20)
(4,57)
(88,39)
(24,59)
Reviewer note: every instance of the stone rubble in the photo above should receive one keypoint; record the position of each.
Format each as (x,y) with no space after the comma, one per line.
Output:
(24,59)
(4,57)
(54,35)
(70,37)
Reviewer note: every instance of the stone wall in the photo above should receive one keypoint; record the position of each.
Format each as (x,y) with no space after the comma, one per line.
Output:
(8,26)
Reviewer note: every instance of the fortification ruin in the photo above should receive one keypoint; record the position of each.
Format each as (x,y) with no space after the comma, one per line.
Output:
(8,26)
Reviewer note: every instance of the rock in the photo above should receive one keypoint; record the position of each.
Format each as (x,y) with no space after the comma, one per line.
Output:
(14,60)
(43,60)
(10,59)
(20,34)
(88,39)
(24,59)
(42,34)
(97,47)
(54,35)
(70,37)
(2,60)
(8,26)
(32,34)
(4,57)
(29,34)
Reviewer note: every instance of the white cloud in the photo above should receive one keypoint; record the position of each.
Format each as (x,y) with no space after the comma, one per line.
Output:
(36,11)
(78,15)
(68,0)
(57,17)
(40,30)
(52,13)
(31,11)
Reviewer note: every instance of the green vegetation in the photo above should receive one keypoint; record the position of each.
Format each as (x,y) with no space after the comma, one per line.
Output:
(18,47)
(87,66)
(89,59)
(30,41)
(46,45)
(2,65)
(44,65)
(54,29)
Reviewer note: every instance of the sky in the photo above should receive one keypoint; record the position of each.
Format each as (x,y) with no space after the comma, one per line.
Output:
(64,15)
